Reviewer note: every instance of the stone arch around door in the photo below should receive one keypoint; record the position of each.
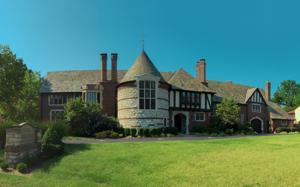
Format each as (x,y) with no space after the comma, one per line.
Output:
(257,124)
(181,121)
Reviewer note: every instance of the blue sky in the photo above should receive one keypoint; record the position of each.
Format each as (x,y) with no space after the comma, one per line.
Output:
(247,42)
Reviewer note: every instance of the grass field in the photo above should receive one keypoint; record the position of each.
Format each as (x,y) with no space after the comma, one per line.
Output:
(253,161)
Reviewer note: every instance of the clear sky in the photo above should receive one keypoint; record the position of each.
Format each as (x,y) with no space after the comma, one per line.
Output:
(247,42)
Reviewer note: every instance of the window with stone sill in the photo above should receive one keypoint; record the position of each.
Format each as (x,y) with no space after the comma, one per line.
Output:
(256,108)
(200,116)
(147,94)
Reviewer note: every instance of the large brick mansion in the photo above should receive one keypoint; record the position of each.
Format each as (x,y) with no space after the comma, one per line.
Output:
(145,97)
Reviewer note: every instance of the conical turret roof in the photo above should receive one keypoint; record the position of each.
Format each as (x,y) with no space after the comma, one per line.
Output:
(141,66)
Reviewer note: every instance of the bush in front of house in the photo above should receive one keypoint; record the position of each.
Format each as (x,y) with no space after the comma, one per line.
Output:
(170,130)
(140,132)
(106,134)
(155,131)
(150,132)
(22,167)
(147,132)
(51,144)
(86,119)
(4,166)
(133,132)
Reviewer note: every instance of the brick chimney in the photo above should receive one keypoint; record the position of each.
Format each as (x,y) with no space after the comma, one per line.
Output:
(201,71)
(104,67)
(268,90)
(114,73)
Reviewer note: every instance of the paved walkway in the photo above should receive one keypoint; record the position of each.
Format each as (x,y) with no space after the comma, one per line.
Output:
(80,140)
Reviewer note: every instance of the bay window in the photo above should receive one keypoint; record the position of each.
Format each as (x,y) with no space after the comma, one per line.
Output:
(147,94)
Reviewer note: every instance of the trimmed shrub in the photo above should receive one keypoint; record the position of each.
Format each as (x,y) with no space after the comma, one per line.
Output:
(4,166)
(229,131)
(127,132)
(140,132)
(155,131)
(30,160)
(285,129)
(170,130)
(133,132)
(51,144)
(107,134)
(199,129)
(147,132)
(22,167)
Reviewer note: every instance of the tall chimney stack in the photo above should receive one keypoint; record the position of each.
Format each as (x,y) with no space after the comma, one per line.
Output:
(201,71)
(104,66)
(114,73)
(268,90)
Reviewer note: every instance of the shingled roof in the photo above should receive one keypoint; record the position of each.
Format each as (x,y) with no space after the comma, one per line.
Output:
(229,90)
(141,66)
(183,80)
(241,94)
(276,112)
(71,81)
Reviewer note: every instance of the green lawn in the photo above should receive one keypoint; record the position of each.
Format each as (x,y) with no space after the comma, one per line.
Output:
(254,161)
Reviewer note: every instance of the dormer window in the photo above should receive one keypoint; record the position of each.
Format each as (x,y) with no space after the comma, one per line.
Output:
(147,94)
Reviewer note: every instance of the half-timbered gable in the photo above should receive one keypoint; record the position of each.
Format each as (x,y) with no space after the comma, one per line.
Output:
(190,100)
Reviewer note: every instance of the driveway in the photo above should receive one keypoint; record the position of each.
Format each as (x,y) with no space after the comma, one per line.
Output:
(81,140)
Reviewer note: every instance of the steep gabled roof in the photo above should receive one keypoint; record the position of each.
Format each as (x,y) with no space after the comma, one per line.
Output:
(249,93)
(229,90)
(183,80)
(142,66)
(71,81)
(276,112)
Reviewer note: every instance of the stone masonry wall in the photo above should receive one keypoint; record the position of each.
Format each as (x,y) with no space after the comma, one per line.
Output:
(130,116)
(21,140)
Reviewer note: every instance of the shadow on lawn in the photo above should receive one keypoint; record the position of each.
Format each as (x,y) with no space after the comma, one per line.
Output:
(47,165)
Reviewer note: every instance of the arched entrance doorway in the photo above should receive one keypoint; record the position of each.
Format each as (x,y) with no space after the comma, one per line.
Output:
(180,122)
(257,125)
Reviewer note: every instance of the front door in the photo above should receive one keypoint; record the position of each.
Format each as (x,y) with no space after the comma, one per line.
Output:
(256,124)
(180,123)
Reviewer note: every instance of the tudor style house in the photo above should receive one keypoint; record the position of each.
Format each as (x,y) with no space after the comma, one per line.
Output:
(145,97)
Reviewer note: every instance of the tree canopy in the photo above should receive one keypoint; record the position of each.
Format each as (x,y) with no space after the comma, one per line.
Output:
(288,95)
(228,112)
(19,90)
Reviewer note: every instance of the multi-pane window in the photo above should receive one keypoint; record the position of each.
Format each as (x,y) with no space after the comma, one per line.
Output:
(56,115)
(200,116)
(57,99)
(147,95)
(183,99)
(91,97)
(256,108)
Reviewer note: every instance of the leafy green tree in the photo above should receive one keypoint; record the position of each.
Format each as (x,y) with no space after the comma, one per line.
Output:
(12,73)
(288,95)
(228,113)
(28,104)
(85,119)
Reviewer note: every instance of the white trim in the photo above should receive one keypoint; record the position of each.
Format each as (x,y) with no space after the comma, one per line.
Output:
(174,113)
(49,96)
(199,113)
(255,104)
(262,122)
